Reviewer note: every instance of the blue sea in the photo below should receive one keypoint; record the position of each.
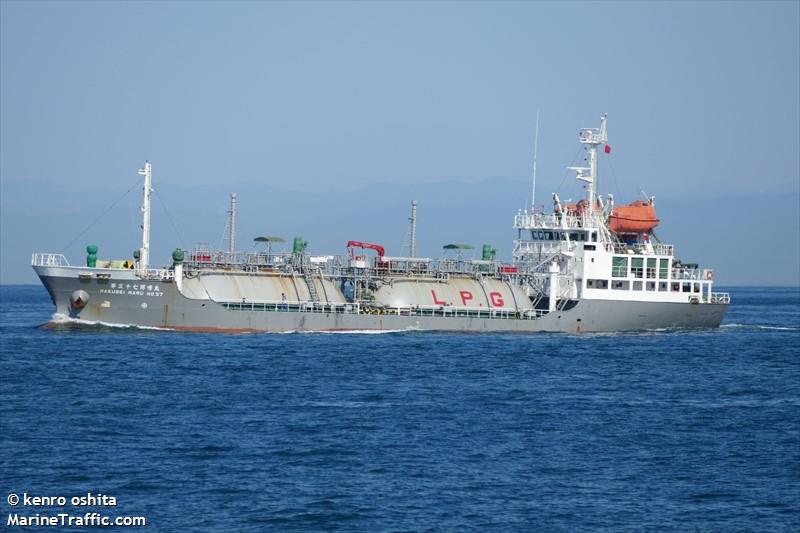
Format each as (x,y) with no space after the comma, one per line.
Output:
(668,430)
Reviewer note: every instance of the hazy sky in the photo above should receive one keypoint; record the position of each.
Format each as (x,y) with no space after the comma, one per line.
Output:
(703,102)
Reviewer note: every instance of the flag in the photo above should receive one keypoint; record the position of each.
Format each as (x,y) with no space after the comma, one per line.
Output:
(607,149)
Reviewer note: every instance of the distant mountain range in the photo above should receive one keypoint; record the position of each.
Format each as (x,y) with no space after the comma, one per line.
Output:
(747,240)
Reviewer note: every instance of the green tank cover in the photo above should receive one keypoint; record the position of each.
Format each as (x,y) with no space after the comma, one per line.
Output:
(178,256)
(488,252)
(91,255)
(299,245)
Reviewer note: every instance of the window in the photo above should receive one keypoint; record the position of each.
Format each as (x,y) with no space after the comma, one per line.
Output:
(637,285)
(695,287)
(548,235)
(573,236)
(594,236)
(676,287)
(619,267)
(637,267)
(651,267)
(620,285)
(663,268)
(687,287)
(663,286)
(597,284)
(650,286)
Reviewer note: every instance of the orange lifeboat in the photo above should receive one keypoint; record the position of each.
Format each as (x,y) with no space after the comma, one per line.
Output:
(637,217)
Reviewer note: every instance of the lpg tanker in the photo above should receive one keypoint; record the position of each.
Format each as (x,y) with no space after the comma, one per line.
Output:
(584,267)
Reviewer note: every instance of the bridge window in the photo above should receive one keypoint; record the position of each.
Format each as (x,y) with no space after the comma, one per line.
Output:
(663,268)
(663,286)
(619,267)
(620,285)
(637,285)
(651,267)
(650,286)
(637,267)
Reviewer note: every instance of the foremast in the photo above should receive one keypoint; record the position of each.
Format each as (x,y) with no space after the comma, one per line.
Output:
(144,251)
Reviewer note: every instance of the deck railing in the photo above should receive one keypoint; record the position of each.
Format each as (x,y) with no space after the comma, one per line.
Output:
(304,307)
(640,249)
(48,259)
(553,221)
(358,309)
(163,274)
(720,298)
(682,273)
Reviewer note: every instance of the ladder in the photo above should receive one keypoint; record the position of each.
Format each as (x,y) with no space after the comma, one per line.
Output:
(312,288)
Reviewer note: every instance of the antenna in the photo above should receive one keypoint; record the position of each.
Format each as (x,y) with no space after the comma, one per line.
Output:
(535,153)
(413,220)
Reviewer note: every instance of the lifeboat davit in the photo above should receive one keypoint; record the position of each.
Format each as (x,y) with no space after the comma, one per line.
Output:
(637,217)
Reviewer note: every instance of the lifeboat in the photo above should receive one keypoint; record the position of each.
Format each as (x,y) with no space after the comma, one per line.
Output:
(637,217)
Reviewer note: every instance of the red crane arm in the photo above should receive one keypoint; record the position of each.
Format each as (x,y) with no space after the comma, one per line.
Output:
(367,246)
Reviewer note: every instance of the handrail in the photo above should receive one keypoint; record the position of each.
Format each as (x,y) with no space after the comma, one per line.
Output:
(720,298)
(554,221)
(358,309)
(156,273)
(49,259)
(640,249)
(685,274)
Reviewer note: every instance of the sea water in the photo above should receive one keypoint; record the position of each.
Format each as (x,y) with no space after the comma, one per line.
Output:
(407,431)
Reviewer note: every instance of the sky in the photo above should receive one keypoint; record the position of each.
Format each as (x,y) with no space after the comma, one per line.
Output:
(329,118)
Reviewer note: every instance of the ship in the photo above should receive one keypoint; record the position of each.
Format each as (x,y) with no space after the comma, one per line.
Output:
(584,267)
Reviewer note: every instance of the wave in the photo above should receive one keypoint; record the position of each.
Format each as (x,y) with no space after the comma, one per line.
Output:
(759,326)
(64,320)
